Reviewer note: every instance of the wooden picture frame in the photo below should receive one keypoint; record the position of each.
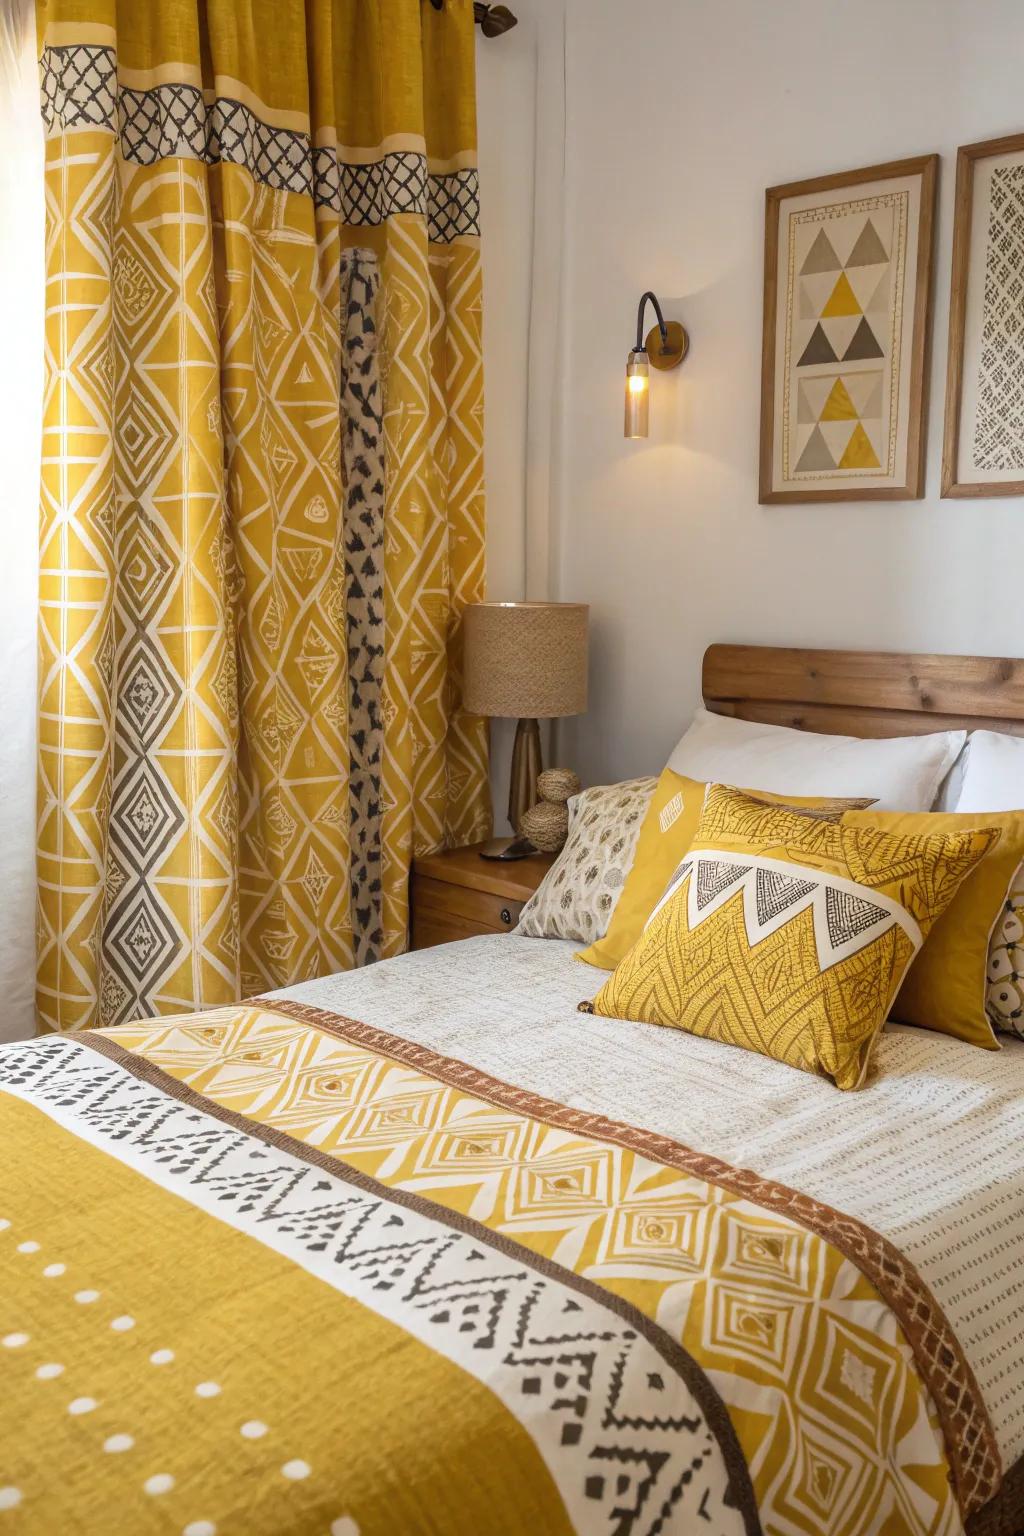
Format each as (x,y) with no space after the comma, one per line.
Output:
(807,454)
(972,397)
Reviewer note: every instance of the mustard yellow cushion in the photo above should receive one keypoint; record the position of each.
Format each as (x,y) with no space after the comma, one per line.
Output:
(669,828)
(946,986)
(789,934)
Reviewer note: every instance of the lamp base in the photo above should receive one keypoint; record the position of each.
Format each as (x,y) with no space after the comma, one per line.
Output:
(526,768)
(507,848)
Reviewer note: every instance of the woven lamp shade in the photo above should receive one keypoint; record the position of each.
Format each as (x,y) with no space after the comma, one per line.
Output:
(525,660)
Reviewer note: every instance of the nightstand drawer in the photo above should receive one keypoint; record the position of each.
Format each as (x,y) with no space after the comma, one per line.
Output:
(442,912)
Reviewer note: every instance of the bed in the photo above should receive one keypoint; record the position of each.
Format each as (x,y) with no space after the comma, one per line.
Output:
(423,1248)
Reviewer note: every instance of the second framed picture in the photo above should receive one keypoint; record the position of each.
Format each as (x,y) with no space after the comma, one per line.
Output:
(983,448)
(847,296)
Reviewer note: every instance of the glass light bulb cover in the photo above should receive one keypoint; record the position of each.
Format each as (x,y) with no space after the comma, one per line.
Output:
(637,395)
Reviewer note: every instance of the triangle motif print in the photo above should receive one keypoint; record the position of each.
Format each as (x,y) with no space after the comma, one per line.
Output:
(859,452)
(848,916)
(868,248)
(839,406)
(863,345)
(842,300)
(821,257)
(713,878)
(775,892)
(818,350)
(816,455)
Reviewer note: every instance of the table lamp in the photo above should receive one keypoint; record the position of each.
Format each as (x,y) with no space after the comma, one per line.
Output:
(525,662)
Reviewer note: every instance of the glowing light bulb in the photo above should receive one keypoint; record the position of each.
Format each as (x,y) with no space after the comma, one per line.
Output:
(637,395)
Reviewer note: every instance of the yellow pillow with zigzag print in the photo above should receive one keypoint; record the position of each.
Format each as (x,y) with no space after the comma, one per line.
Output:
(789,934)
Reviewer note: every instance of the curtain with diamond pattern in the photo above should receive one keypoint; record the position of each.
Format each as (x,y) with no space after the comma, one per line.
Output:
(262,498)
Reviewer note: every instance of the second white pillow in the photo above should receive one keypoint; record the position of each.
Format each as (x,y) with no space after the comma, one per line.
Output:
(901,773)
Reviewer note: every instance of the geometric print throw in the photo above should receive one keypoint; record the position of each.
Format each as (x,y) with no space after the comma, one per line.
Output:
(631,1432)
(261,504)
(759,1288)
(788,934)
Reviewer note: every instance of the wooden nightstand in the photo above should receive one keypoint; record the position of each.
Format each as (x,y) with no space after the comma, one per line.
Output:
(457,894)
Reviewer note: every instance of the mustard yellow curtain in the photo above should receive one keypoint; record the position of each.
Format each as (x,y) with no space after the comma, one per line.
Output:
(262,496)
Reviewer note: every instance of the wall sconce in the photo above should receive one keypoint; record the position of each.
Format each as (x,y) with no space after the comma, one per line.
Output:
(665,346)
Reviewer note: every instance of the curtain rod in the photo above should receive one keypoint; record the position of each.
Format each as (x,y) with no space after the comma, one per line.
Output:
(492,20)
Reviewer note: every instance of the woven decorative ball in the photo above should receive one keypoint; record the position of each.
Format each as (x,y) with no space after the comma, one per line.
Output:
(546,825)
(558,785)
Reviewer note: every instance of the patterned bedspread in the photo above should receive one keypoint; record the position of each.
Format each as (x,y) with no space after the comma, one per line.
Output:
(273,1270)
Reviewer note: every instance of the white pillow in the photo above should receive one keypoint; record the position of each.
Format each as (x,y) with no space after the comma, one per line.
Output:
(994,776)
(901,773)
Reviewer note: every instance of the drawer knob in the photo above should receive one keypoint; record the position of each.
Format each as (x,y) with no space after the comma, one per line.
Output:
(506,915)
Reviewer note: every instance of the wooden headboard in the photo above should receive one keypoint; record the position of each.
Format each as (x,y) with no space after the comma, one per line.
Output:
(864,693)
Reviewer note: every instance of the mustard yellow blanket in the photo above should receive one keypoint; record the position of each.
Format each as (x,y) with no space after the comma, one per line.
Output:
(269,1270)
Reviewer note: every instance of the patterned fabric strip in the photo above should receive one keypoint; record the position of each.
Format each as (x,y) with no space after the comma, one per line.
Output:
(970,1439)
(363,458)
(635,1436)
(80,90)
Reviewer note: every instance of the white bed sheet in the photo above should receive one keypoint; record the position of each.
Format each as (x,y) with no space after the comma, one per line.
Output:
(930,1153)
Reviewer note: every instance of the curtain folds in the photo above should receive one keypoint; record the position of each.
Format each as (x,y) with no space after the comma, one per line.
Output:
(262,494)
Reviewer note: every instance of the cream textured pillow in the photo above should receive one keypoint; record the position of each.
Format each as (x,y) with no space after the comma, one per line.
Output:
(901,773)
(577,896)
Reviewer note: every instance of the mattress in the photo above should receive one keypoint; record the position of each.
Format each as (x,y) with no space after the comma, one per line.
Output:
(423,1251)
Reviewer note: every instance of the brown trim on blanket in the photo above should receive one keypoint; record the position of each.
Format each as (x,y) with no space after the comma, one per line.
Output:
(740,1493)
(1003,1515)
(971,1447)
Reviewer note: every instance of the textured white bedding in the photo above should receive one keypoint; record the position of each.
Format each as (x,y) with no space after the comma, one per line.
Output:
(930,1153)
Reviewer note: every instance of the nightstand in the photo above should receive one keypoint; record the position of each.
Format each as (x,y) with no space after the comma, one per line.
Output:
(457,894)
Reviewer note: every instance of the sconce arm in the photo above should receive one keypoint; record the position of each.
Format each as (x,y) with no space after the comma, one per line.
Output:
(653,299)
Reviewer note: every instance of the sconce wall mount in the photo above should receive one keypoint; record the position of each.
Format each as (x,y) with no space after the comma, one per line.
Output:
(664,347)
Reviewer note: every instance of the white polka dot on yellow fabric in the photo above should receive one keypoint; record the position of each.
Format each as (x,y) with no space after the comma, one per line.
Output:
(115,1444)
(14,1340)
(10,1497)
(50,1371)
(123,1323)
(295,1471)
(160,1482)
(161,1357)
(54,1271)
(200,1528)
(346,1526)
(4,1223)
(253,1429)
(84,1298)
(81,1405)
(28,1247)
(207,1389)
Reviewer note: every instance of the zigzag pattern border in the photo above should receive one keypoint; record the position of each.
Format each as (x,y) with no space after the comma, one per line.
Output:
(79,90)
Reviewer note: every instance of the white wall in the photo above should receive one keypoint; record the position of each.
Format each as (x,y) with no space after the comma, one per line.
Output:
(679,114)
(520,99)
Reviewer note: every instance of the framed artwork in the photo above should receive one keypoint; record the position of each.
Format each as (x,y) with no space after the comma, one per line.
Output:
(983,443)
(847,293)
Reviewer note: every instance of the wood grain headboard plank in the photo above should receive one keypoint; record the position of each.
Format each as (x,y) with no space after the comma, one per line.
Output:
(865,693)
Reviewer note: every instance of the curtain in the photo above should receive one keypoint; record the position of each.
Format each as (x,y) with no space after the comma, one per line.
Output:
(21,380)
(262,497)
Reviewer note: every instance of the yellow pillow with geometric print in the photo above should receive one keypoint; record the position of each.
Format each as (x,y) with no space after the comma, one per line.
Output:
(669,828)
(945,988)
(789,934)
